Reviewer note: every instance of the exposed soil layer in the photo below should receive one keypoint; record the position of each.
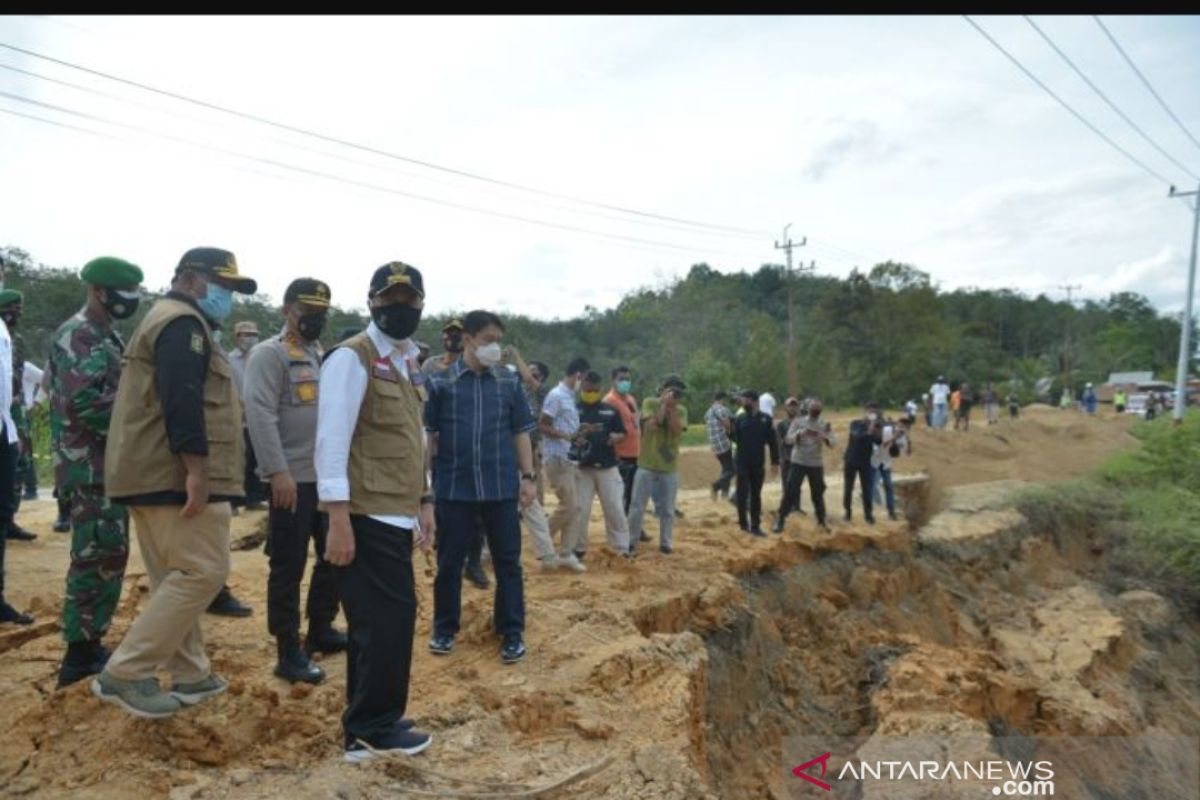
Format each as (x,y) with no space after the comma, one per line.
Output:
(672,676)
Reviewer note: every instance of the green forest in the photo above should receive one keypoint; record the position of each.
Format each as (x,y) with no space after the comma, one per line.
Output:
(883,334)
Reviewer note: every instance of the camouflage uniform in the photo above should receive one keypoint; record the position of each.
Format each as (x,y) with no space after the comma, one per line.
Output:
(85,365)
(20,419)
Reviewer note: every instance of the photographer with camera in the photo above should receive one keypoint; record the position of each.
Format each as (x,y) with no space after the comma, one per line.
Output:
(808,436)
(895,441)
(663,421)
(865,433)
(593,449)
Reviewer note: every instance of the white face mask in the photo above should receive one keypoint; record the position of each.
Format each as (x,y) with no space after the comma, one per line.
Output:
(489,354)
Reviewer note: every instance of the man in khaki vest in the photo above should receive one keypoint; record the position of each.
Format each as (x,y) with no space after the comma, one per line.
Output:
(370,463)
(175,458)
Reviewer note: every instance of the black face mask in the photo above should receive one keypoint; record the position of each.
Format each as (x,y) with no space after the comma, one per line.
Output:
(310,326)
(120,307)
(10,319)
(398,320)
(454,342)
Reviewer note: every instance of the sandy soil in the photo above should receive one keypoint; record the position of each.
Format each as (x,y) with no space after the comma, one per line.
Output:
(618,674)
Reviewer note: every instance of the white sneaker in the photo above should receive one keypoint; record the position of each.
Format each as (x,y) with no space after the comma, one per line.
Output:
(549,563)
(572,563)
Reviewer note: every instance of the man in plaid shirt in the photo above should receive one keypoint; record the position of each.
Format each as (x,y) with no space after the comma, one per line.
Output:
(718,421)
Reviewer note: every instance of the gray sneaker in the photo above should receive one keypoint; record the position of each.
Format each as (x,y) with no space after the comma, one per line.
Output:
(192,693)
(143,698)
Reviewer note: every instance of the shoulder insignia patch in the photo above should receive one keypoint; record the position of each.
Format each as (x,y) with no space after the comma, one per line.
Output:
(197,343)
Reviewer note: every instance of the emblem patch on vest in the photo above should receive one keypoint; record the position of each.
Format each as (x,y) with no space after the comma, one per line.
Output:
(197,343)
(382,368)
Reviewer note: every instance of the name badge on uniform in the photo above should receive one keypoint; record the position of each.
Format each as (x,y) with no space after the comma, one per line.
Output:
(383,369)
(306,392)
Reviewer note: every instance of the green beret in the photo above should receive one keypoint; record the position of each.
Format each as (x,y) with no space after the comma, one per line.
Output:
(113,273)
(10,297)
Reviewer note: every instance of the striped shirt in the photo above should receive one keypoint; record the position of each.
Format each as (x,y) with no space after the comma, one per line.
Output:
(476,416)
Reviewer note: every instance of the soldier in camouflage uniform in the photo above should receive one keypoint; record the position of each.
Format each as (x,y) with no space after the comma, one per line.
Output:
(85,365)
(10,311)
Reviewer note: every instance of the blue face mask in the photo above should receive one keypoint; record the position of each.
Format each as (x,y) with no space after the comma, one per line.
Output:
(624,386)
(217,305)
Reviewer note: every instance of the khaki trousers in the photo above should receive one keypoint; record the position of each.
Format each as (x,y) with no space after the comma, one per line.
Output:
(187,561)
(561,477)
(608,484)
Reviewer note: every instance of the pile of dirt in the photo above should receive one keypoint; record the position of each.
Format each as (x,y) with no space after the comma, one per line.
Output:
(668,677)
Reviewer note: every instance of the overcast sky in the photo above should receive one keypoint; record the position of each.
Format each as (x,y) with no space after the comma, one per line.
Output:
(877,137)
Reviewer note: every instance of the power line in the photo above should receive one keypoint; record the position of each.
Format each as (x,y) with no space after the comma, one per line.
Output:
(1105,98)
(376,151)
(362,163)
(1145,81)
(365,184)
(1063,103)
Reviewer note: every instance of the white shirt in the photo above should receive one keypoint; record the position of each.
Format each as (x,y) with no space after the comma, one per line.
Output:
(766,404)
(940,392)
(343,387)
(6,383)
(560,407)
(31,380)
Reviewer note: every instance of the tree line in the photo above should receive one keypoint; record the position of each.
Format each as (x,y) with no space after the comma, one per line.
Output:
(881,335)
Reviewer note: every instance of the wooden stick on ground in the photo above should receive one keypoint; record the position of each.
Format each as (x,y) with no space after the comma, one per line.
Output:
(574,777)
(441,775)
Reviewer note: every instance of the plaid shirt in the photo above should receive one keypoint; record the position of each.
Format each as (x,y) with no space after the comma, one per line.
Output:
(714,418)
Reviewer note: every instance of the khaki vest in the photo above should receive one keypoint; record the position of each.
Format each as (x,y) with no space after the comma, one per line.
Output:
(387,450)
(138,458)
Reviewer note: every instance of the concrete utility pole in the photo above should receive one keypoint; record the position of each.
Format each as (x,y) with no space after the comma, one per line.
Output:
(1070,289)
(1185,333)
(787,246)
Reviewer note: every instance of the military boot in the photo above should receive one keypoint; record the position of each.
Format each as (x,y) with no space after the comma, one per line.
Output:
(294,664)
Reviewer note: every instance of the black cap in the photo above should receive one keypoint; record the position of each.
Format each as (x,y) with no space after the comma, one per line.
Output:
(308,290)
(749,394)
(674,380)
(397,273)
(455,324)
(219,264)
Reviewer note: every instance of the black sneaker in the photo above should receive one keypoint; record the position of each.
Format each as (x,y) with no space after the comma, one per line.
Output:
(678,514)
(892,516)
(329,640)
(404,724)
(744,527)
(477,576)
(870,520)
(757,531)
(19,534)
(62,525)
(777,527)
(441,645)
(407,742)
(579,554)
(642,537)
(30,494)
(226,605)
(666,551)
(10,614)
(513,649)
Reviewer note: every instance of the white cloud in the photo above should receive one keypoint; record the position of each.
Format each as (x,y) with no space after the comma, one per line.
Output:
(905,138)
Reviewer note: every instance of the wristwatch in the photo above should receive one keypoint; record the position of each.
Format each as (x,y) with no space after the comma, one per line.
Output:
(529,476)
(426,498)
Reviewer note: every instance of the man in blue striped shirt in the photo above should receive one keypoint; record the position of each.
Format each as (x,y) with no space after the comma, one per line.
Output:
(479,423)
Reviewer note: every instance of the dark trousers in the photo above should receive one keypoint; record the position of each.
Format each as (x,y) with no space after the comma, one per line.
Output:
(380,599)
(256,492)
(8,500)
(289,534)
(750,482)
(785,473)
(863,473)
(627,467)
(791,490)
(502,526)
(721,484)
(475,549)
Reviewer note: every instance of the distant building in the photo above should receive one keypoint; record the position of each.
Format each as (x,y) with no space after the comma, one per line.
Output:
(1131,382)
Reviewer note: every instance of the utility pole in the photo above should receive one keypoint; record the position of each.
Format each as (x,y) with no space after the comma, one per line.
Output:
(1185,333)
(1070,289)
(787,246)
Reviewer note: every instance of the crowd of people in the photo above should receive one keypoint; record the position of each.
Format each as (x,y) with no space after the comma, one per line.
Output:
(363,453)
